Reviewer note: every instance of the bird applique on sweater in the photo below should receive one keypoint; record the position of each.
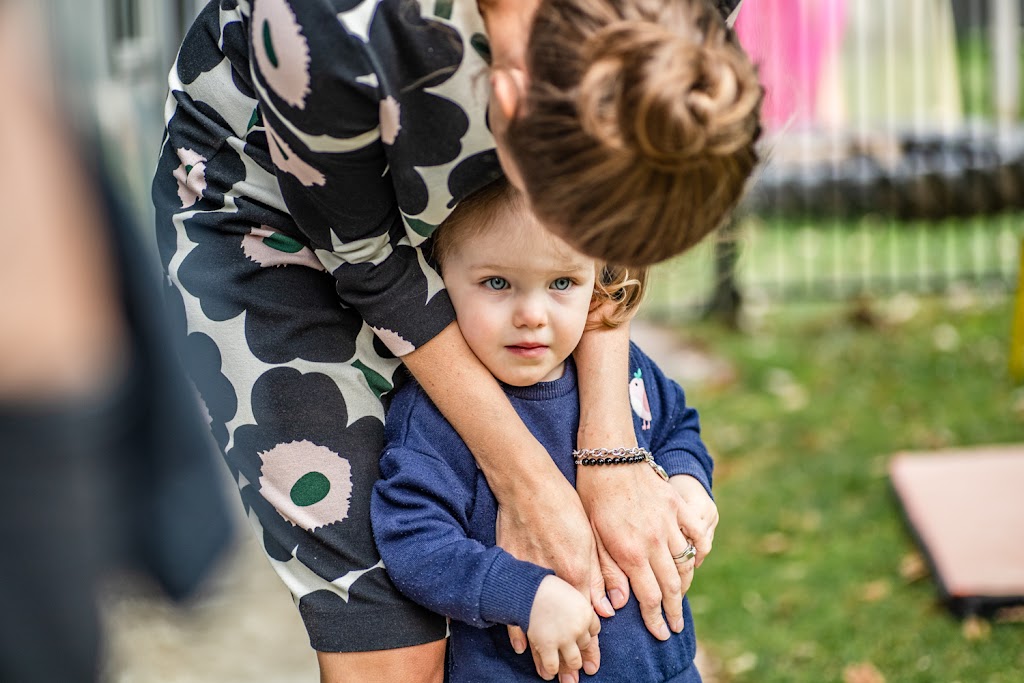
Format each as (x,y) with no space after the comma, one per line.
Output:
(638,399)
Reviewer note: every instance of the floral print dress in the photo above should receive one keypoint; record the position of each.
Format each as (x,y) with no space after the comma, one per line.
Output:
(311,148)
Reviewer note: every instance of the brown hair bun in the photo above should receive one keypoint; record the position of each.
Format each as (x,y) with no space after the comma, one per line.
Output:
(638,132)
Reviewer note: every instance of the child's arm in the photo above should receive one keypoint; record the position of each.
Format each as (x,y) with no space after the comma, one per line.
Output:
(420,520)
(419,511)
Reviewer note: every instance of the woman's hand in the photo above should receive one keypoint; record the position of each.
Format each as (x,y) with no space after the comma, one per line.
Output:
(699,516)
(639,521)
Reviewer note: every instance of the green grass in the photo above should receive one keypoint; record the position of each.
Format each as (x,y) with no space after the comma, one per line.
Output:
(805,577)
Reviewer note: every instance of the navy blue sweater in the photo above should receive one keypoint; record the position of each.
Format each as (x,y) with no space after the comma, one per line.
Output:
(434,520)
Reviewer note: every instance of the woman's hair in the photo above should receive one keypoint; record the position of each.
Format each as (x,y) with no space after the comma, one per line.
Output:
(638,129)
(476,214)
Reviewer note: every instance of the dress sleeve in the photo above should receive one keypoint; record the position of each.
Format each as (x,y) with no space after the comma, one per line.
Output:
(675,426)
(328,125)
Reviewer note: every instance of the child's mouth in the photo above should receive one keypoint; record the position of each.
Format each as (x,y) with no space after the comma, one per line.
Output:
(527,350)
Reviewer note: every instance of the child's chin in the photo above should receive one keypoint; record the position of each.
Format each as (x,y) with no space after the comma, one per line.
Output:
(525,377)
(519,379)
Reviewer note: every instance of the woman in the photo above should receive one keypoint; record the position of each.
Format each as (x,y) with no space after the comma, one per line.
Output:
(311,149)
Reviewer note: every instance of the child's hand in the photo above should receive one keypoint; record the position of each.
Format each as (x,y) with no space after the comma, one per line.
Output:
(563,627)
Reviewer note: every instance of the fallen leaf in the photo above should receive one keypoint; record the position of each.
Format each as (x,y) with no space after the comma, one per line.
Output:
(742,664)
(1010,615)
(913,567)
(773,544)
(875,591)
(976,628)
(805,650)
(864,672)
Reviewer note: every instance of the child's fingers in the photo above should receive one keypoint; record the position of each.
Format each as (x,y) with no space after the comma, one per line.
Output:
(591,654)
(595,625)
(536,661)
(571,658)
(545,661)
(567,675)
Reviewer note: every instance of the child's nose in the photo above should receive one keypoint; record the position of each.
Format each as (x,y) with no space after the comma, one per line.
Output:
(531,312)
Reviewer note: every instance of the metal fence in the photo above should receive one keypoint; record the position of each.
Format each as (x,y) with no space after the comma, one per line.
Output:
(899,169)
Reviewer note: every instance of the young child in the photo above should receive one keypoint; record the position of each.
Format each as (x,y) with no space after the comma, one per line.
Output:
(522,298)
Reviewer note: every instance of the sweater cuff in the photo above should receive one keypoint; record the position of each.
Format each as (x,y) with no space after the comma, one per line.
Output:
(509,590)
(684,462)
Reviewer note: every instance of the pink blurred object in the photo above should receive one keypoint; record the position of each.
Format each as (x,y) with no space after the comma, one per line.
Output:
(966,510)
(791,41)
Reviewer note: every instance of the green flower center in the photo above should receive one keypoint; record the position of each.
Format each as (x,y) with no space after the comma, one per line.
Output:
(310,489)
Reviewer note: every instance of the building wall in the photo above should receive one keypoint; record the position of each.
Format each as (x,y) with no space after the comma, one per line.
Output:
(114,56)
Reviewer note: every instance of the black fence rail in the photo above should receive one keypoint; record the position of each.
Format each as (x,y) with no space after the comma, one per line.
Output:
(780,260)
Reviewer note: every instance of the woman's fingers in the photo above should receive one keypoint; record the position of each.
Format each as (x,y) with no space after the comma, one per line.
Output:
(614,582)
(698,514)
(671,589)
(648,596)
(684,562)
(517,638)
(634,520)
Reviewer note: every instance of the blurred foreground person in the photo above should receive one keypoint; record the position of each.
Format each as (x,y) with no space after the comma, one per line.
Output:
(106,458)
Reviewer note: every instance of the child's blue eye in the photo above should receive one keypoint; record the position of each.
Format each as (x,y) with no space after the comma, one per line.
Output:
(496,283)
(562,284)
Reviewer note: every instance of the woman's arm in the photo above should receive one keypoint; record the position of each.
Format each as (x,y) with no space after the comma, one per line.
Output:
(632,510)
(540,517)
(342,179)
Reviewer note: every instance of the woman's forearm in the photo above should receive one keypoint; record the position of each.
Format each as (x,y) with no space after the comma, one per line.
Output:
(540,517)
(470,399)
(602,359)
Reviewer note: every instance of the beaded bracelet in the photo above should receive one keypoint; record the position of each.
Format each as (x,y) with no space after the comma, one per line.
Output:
(617,456)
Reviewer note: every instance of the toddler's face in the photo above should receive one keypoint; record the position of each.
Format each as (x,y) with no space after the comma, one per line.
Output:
(521,296)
